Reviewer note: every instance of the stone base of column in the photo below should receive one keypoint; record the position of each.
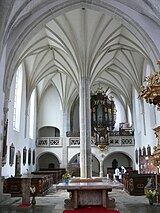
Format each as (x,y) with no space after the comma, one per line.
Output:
(26,184)
(3,197)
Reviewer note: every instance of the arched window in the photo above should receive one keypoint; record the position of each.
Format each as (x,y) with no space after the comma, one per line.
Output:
(17,98)
(32,114)
(29,156)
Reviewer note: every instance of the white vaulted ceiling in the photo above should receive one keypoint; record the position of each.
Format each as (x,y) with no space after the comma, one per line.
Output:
(87,41)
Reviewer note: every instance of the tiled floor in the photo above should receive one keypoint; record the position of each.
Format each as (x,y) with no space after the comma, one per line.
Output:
(53,203)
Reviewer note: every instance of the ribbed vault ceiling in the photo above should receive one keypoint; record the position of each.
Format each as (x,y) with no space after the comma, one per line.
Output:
(85,42)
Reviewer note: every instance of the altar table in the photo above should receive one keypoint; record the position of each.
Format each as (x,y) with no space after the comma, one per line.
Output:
(90,193)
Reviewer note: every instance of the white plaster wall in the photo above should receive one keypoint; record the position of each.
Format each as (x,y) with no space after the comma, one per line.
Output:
(145,118)
(95,166)
(18,138)
(137,119)
(58,152)
(157,118)
(75,117)
(2,68)
(120,115)
(144,121)
(150,124)
(49,113)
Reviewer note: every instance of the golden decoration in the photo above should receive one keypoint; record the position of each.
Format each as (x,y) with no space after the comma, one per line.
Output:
(150,90)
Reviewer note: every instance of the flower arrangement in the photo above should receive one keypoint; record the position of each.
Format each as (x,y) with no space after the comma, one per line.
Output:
(66,176)
(150,194)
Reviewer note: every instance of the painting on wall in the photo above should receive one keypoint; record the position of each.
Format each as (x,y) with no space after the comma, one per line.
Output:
(4,153)
(18,164)
(11,154)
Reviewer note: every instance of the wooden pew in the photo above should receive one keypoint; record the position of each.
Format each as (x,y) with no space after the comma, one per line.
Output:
(134,183)
(42,183)
(56,173)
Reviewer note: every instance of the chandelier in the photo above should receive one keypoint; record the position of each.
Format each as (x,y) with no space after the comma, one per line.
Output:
(151,90)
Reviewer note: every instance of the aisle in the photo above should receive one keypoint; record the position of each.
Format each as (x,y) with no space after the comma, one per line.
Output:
(53,203)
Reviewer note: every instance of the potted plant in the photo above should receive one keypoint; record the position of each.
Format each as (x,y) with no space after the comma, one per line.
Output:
(150,194)
(66,178)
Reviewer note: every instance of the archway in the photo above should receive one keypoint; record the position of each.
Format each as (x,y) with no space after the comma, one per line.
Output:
(74,166)
(48,161)
(49,131)
(116,159)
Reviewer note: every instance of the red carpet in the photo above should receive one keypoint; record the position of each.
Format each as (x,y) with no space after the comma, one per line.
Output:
(93,209)
(24,205)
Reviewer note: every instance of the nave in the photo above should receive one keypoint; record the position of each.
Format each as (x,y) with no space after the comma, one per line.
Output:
(53,202)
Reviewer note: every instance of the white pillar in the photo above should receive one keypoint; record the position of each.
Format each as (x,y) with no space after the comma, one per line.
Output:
(1,184)
(26,184)
(1,181)
(85,129)
(3,115)
(65,150)
(101,169)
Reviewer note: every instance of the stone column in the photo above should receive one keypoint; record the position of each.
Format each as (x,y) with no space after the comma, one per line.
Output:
(3,196)
(26,184)
(85,129)
(65,151)
(1,183)
(101,169)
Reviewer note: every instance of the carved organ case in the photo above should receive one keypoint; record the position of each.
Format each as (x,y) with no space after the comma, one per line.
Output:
(103,116)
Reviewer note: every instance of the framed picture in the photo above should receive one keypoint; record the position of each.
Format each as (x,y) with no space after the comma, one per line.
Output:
(4,151)
(11,154)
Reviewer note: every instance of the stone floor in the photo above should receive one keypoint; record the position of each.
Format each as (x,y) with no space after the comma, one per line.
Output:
(53,203)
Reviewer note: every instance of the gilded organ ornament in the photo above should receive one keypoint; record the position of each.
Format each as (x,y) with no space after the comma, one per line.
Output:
(103,116)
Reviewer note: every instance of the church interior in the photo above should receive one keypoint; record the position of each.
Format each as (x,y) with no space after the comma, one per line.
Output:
(80,96)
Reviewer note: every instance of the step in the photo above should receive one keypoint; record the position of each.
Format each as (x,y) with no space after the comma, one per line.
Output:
(4,198)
